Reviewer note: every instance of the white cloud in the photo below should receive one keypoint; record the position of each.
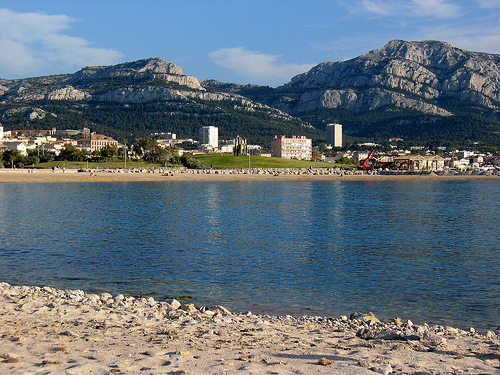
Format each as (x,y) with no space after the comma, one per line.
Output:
(412,8)
(489,4)
(30,43)
(256,65)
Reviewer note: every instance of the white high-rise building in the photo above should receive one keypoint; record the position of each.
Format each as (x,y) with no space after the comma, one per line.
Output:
(209,136)
(1,131)
(334,135)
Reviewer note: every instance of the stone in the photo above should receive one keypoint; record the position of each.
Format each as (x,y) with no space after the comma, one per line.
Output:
(365,333)
(387,335)
(190,308)
(363,363)
(174,304)
(12,360)
(384,369)
(325,362)
(369,316)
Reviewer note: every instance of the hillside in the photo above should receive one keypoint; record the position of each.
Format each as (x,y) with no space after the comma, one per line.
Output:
(421,91)
(425,92)
(136,99)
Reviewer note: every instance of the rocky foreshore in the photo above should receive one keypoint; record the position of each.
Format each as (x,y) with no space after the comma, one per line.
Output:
(236,174)
(48,331)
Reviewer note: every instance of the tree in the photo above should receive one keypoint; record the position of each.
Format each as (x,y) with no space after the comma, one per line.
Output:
(11,158)
(71,153)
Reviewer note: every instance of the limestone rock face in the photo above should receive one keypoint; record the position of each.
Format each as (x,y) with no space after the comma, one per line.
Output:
(155,68)
(67,93)
(402,74)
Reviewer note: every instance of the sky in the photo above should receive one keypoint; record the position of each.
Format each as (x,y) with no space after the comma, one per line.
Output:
(257,42)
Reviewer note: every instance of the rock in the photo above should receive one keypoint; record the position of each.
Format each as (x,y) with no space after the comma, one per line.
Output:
(325,362)
(400,74)
(363,363)
(369,316)
(106,297)
(174,304)
(222,310)
(365,333)
(190,308)
(12,360)
(384,369)
(387,335)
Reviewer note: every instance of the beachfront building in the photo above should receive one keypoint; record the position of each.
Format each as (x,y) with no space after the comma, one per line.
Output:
(291,148)
(96,142)
(334,135)
(209,137)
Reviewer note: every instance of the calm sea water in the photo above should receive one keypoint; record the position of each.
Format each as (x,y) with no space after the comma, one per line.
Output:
(427,251)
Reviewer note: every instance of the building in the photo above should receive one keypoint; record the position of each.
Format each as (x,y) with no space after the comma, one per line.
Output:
(96,142)
(240,146)
(334,135)
(16,145)
(209,137)
(291,148)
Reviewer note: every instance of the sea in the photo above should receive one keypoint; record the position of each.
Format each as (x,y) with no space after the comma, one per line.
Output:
(428,251)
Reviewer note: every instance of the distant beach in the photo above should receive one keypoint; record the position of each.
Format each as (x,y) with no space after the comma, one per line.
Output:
(181,174)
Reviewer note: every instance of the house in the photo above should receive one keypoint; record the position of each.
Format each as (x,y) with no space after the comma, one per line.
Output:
(16,145)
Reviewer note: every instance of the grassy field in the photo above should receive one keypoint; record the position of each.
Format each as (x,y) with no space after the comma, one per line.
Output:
(230,161)
(208,160)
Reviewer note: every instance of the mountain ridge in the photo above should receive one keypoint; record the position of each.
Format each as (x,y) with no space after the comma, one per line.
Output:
(418,90)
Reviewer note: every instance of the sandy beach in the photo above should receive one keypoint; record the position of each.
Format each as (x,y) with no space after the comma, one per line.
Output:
(180,174)
(49,331)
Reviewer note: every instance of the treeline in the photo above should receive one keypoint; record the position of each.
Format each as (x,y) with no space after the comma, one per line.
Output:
(127,122)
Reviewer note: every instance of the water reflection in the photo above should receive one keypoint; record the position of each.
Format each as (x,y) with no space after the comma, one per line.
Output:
(425,249)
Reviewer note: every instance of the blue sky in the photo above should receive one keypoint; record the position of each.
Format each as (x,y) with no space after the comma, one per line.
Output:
(258,42)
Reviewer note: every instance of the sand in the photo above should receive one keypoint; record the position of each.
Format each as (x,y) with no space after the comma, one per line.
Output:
(49,331)
(172,174)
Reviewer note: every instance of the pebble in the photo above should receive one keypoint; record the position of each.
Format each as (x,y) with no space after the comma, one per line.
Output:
(384,369)
(170,320)
(12,360)
(325,362)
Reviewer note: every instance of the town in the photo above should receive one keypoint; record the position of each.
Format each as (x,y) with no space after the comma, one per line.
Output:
(25,148)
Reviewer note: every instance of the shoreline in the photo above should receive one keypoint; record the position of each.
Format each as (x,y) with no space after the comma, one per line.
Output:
(175,174)
(72,332)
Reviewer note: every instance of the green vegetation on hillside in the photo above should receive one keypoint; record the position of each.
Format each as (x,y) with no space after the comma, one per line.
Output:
(127,122)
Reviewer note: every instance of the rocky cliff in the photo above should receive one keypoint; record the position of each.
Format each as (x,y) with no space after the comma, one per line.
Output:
(410,75)
(136,99)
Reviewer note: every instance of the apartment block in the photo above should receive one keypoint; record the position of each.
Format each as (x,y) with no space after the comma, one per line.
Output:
(291,148)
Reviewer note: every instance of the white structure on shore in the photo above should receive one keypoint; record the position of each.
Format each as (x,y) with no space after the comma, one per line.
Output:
(291,148)
(334,135)
(209,137)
